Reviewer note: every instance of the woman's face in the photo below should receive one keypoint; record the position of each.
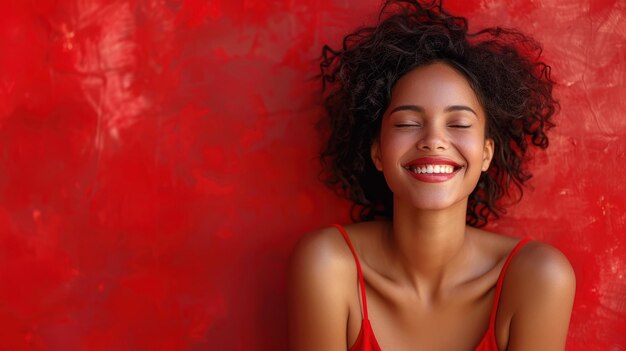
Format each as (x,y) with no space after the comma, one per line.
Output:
(432,146)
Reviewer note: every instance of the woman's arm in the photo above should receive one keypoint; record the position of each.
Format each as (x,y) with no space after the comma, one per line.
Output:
(543,288)
(320,275)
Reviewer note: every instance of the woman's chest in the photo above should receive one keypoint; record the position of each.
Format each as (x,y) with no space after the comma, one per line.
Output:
(403,321)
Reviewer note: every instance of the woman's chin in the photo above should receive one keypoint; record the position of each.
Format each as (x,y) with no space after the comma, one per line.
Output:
(431,204)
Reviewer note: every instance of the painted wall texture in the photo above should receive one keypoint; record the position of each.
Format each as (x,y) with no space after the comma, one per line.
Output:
(158,163)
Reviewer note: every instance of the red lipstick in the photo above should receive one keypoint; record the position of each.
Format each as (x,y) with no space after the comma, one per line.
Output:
(432,169)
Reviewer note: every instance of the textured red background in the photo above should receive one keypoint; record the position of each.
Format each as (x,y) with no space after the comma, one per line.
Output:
(157,164)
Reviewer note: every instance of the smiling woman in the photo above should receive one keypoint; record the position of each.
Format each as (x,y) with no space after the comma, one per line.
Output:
(435,119)
(429,129)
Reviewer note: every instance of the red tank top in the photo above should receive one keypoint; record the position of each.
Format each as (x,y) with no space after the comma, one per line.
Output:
(366,341)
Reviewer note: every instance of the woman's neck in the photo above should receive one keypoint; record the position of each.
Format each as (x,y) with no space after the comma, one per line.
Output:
(430,246)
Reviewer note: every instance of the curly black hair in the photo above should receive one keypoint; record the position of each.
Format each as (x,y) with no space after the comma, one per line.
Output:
(501,65)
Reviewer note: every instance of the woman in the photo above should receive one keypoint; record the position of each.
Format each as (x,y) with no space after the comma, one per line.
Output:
(430,128)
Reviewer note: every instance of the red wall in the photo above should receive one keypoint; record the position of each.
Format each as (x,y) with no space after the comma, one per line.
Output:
(157,164)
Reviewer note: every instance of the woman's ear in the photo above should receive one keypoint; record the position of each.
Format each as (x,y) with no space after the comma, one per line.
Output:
(375,153)
(488,150)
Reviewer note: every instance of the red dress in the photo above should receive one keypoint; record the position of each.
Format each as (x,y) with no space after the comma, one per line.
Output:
(366,341)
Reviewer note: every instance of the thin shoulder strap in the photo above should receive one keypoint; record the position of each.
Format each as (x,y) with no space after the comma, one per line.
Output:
(358,269)
(496,300)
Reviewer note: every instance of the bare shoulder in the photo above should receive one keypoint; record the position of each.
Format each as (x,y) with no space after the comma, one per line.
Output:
(322,251)
(539,287)
(322,274)
(536,264)
(540,269)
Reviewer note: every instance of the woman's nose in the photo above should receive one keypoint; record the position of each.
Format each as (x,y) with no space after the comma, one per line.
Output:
(433,138)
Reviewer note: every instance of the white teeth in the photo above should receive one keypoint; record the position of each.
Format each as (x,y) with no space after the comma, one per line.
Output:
(430,169)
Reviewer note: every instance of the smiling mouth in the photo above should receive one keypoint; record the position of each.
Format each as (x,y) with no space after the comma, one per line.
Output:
(432,169)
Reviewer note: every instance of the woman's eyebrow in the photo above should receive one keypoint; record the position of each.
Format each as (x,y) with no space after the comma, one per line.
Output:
(420,109)
(409,108)
(460,108)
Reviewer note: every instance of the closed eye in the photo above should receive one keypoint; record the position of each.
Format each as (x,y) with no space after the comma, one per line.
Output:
(401,125)
(459,126)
